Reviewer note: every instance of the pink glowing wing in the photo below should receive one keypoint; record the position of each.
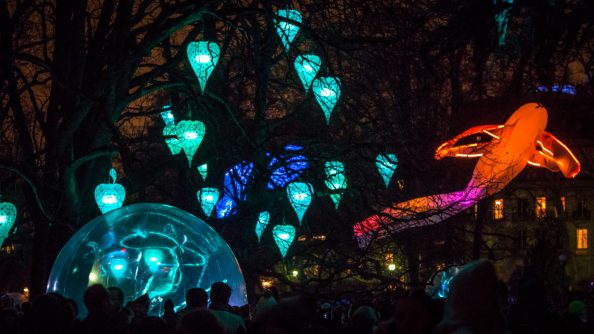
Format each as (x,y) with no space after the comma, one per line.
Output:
(472,143)
(555,156)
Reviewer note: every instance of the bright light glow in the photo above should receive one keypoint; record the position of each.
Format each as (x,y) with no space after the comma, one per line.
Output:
(118,267)
(386,166)
(207,197)
(283,237)
(92,277)
(203,57)
(299,194)
(295,273)
(307,67)
(3,219)
(391,267)
(327,93)
(287,31)
(110,196)
(582,238)
(190,134)
(498,209)
(533,163)
(541,207)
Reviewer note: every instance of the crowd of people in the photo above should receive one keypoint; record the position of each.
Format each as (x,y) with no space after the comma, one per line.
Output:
(477,303)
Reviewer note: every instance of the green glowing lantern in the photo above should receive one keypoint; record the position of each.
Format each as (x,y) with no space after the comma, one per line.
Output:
(8,213)
(502,19)
(203,57)
(299,194)
(118,267)
(335,179)
(203,170)
(307,67)
(283,236)
(208,198)
(169,131)
(287,30)
(386,165)
(190,134)
(153,258)
(327,93)
(110,196)
(263,220)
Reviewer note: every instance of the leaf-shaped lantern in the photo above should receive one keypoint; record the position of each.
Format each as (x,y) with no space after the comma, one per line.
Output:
(8,213)
(283,236)
(110,196)
(335,179)
(300,194)
(203,56)
(386,165)
(263,220)
(208,197)
(327,93)
(190,135)
(307,67)
(287,30)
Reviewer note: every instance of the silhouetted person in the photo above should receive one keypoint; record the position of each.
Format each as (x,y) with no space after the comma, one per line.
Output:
(153,325)
(200,321)
(196,297)
(117,297)
(51,314)
(169,313)
(219,304)
(99,319)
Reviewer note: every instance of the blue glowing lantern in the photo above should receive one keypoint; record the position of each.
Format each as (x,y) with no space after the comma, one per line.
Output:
(8,213)
(300,194)
(283,236)
(335,179)
(208,197)
(287,30)
(169,131)
(287,167)
(203,170)
(327,93)
(502,18)
(235,185)
(386,165)
(307,67)
(263,220)
(203,57)
(110,196)
(190,135)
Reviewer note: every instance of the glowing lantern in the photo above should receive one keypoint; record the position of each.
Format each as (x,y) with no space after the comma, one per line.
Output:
(283,236)
(208,197)
(327,93)
(8,214)
(152,258)
(299,194)
(335,179)
(502,18)
(287,30)
(307,67)
(110,196)
(203,170)
(386,165)
(263,220)
(118,267)
(169,131)
(203,57)
(190,134)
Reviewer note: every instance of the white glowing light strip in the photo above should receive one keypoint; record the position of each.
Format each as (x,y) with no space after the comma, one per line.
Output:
(491,134)
(544,148)
(533,163)
(475,155)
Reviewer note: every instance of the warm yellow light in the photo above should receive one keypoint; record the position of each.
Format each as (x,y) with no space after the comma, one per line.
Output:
(541,207)
(295,273)
(266,283)
(92,277)
(582,238)
(391,267)
(498,209)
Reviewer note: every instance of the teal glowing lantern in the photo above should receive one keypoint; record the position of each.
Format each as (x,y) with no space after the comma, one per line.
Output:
(307,67)
(8,213)
(153,258)
(190,134)
(203,57)
(386,165)
(208,198)
(502,18)
(287,30)
(167,115)
(335,179)
(283,236)
(327,93)
(299,194)
(110,196)
(263,220)
(118,267)
(203,170)
(169,131)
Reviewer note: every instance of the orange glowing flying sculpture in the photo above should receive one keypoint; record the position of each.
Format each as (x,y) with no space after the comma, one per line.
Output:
(502,151)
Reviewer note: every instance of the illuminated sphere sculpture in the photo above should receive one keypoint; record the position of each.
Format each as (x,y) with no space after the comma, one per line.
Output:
(147,248)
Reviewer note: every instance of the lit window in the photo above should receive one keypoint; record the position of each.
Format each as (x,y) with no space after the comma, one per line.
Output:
(302,238)
(582,238)
(321,237)
(498,209)
(541,207)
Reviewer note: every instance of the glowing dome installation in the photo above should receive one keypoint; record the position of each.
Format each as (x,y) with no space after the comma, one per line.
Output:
(147,248)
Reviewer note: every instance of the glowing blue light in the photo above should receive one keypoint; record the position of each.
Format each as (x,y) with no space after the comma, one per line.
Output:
(307,67)
(565,89)
(235,184)
(287,30)
(203,57)
(288,168)
(327,92)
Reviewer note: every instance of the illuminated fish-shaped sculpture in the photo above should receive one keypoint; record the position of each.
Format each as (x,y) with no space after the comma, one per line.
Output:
(503,151)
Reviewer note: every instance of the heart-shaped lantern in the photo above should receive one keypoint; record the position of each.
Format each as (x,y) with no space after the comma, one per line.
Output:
(283,236)
(8,213)
(203,170)
(287,30)
(208,198)
(263,220)
(300,194)
(386,165)
(203,57)
(110,196)
(327,93)
(190,135)
(335,179)
(307,67)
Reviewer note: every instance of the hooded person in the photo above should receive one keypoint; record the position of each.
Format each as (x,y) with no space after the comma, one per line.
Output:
(473,304)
